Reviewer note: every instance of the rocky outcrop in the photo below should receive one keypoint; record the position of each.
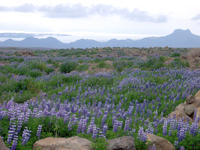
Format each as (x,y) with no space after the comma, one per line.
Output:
(72,143)
(197,99)
(179,113)
(2,145)
(121,143)
(159,143)
(186,111)
(198,114)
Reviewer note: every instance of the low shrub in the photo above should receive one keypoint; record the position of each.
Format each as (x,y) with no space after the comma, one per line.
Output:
(121,65)
(175,55)
(68,67)
(178,63)
(153,63)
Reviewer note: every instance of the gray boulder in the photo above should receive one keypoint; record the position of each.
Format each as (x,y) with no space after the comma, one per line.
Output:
(121,143)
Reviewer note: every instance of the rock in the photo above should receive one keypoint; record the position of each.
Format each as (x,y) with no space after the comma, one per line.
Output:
(121,143)
(159,142)
(197,95)
(180,113)
(72,143)
(185,111)
(197,99)
(2,145)
(198,114)
(190,99)
(189,110)
(180,107)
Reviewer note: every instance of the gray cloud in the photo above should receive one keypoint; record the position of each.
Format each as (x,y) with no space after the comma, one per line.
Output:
(197,17)
(4,8)
(60,11)
(25,8)
(80,11)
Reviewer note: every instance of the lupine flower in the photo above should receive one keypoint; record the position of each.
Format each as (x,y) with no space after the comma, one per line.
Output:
(126,127)
(14,144)
(101,135)
(103,119)
(79,126)
(11,133)
(165,128)
(20,121)
(84,123)
(173,124)
(181,134)
(142,135)
(70,126)
(90,129)
(105,127)
(150,129)
(194,128)
(153,147)
(39,131)
(27,115)
(26,136)
(120,124)
(115,126)
(180,124)
(94,135)
(182,148)
(176,143)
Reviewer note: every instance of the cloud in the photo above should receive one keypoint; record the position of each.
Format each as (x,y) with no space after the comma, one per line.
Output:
(25,8)
(142,16)
(4,8)
(22,8)
(60,11)
(80,11)
(197,17)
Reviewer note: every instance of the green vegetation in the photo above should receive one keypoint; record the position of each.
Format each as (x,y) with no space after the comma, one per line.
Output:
(68,67)
(153,63)
(134,88)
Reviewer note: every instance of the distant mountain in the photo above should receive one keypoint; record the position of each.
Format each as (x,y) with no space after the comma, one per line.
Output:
(179,38)
(34,42)
(26,35)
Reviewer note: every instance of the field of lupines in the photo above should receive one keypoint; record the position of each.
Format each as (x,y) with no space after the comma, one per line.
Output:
(98,94)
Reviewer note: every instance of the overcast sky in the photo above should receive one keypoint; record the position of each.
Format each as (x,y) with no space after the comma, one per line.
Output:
(111,17)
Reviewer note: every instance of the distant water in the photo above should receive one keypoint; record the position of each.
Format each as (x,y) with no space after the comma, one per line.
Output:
(100,37)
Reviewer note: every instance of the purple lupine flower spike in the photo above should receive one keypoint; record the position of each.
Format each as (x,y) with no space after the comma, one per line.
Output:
(39,131)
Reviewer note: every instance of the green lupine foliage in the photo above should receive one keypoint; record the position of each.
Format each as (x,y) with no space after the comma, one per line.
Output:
(46,72)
